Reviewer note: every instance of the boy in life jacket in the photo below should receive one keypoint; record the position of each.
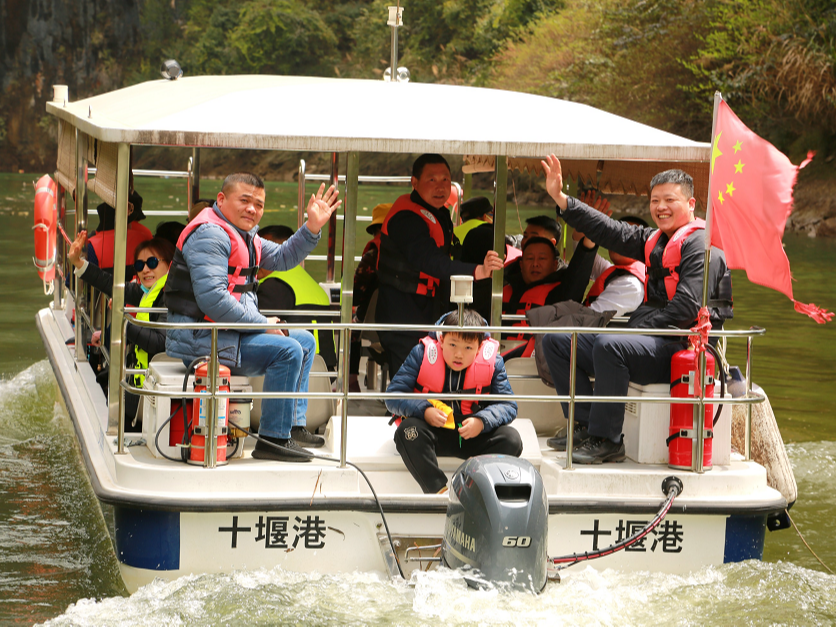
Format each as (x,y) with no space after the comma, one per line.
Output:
(457,361)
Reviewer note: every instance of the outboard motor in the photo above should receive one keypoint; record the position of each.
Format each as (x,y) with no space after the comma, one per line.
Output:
(497,523)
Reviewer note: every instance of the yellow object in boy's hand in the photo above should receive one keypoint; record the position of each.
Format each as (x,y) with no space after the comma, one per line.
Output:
(451,423)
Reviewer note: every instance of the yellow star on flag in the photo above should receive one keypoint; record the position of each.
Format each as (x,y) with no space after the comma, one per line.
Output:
(730,189)
(720,198)
(715,151)
(738,147)
(738,167)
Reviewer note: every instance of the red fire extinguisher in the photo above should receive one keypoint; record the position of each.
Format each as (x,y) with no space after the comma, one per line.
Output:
(683,427)
(199,409)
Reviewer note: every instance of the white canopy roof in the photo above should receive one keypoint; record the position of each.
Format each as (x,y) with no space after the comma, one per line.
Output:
(326,114)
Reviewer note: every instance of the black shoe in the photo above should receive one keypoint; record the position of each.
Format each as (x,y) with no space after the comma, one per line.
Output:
(599,450)
(558,442)
(304,437)
(280,450)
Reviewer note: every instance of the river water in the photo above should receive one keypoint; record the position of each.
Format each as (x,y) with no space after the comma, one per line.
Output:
(58,565)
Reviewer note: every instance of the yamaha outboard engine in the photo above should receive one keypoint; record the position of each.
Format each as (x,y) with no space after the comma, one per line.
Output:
(497,523)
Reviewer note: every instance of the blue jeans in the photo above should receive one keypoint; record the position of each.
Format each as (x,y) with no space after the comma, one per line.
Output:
(286,364)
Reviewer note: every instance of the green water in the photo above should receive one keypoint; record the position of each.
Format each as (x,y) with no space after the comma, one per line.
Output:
(57,562)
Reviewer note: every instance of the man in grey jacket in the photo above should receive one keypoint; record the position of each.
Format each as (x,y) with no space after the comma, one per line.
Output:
(213,277)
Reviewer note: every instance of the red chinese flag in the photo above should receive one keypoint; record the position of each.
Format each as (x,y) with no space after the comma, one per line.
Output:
(751,199)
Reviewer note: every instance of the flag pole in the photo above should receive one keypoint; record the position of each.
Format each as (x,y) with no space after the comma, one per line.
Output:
(699,410)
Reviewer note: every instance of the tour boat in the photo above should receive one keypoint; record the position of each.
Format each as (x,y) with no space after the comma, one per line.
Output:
(174,518)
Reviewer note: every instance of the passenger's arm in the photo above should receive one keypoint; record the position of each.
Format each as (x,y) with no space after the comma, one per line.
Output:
(575,279)
(411,236)
(497,413)
(404,382)
(289,254)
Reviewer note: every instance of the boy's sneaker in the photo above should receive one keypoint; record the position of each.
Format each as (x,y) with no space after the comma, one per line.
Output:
(304,437)
(580,434)
(599,450)
(280,450)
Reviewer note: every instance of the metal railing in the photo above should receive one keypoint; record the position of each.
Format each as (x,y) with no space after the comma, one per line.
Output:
(343,394)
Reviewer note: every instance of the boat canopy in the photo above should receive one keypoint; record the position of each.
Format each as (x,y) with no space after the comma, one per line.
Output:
(340,115)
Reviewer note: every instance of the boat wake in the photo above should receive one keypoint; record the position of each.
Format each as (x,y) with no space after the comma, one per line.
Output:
(752,592)
(28,408)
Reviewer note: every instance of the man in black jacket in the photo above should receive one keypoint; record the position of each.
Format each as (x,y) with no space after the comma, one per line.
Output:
(674,295)
(414,266)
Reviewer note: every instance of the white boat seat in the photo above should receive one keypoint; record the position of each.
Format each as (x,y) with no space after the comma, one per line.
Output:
(547,417)
(371,443)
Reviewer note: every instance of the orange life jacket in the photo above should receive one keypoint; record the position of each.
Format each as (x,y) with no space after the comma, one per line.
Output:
(636,268)
(671,256)
(477,377)
(240,275)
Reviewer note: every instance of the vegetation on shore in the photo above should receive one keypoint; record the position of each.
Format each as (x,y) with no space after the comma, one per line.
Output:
(655,61)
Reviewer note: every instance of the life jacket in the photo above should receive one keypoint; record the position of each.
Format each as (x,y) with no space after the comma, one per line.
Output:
(392,268)
(637,269)
(720,298)
(147,301)
(511,254)
(464,228)
(477,377)
(306,291)
(240,275)
(103,244)
(534,296)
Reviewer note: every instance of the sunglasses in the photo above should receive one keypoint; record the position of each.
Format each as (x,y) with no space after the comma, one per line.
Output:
(152,262)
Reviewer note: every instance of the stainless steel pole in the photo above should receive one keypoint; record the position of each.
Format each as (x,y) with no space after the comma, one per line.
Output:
(501,193)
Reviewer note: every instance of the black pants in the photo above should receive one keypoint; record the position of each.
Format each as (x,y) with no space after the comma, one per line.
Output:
(419,444)
(614,361)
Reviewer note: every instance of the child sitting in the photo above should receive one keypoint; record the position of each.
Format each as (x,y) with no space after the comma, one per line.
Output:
(469,363)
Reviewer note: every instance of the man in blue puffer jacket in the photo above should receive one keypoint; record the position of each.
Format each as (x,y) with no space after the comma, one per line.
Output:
(457,361)
(213,277)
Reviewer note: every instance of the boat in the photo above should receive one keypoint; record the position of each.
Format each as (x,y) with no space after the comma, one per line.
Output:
(361,510)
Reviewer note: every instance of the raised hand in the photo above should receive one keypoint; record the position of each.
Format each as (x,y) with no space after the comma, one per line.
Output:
(554,180)
(321,206)
(78,246)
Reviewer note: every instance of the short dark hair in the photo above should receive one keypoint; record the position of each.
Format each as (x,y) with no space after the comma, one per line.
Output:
(475,207)
(540,240)
(470,318)
(427,159)
(244,178)
(163,249)
(679,177)
(276,232)
(547,223)
(169,231)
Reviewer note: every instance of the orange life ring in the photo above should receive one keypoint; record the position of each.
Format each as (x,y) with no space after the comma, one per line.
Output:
(46,222)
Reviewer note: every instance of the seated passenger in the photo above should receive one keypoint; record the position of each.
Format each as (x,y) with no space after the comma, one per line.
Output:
(153,258)
(169,231)
(537,226)
(198,206)
(296,289)
(475,233)
(469,361)
(100,244)
(540,283)
(675,257)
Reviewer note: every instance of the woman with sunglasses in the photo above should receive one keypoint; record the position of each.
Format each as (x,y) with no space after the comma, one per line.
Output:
(153,258)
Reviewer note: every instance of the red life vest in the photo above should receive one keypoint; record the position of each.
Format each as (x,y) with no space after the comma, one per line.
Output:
(477,377)
(102,243)
(392,268)
(240,275)
(637,269)
(532,297)
(671,256)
